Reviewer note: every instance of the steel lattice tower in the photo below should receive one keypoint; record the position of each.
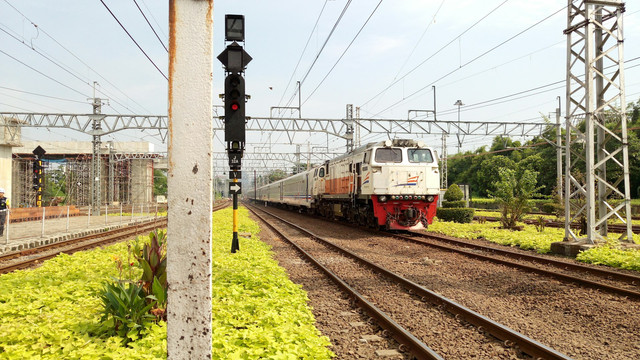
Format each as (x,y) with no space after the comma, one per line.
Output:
(597,159)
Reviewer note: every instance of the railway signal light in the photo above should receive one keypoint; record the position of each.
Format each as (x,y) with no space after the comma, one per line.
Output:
(234,114)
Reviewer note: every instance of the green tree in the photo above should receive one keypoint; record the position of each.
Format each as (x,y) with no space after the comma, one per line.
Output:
(512,192)
(159,182)
(276,175)
(54,186)
(489,172)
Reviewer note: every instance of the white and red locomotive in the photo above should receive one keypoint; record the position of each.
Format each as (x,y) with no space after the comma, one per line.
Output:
(393,184)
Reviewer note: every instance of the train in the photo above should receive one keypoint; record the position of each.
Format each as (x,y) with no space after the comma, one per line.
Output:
(391,184)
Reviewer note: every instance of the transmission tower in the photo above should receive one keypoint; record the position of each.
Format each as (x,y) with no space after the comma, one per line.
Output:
(597,184)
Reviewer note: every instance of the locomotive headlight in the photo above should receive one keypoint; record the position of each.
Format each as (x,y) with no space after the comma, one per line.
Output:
(382,198)
(430,198)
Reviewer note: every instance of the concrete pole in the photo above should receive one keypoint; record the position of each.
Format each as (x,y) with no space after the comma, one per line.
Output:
(190,179)
(558,152)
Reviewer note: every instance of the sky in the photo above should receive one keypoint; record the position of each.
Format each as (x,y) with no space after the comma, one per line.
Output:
(52,52)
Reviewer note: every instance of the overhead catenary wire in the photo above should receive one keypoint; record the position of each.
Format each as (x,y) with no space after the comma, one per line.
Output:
(344,52)
(436,53)
(134,40)
(151,26)
(324,44)
(114,98)
(315,26)
(43,74)
(472,60)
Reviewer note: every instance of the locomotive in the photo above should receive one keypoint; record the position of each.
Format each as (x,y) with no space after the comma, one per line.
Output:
(392,184)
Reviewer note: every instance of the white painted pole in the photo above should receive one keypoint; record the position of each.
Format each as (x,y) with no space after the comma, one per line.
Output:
(106,213)
(120,212)
(89,217)
(132,208)
(190,162)
(68,218)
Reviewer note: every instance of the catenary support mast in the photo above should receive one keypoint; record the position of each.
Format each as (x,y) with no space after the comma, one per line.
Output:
(596,124)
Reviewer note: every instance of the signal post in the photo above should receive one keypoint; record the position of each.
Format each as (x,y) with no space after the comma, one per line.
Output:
(234,59)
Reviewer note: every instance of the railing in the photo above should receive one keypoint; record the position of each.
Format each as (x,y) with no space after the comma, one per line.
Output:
(29,223)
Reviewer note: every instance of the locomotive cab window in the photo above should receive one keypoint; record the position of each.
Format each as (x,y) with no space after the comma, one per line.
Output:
(388,155)
(321,172)
(420,155)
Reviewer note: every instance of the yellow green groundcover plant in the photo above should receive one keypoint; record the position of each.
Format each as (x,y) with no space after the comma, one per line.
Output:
(530,239)
(53,312)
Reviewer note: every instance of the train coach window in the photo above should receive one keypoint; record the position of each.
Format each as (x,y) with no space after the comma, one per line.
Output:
(388,155)
(321,172)
(420,156)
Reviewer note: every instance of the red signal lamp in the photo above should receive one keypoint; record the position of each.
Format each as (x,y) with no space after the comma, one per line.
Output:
(235,106)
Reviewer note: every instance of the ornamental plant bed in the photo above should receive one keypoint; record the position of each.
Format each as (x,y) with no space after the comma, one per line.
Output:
(53,312)
(531,239)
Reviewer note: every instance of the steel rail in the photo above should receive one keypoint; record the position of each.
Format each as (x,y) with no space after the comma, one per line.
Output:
(107,238)
(628,278)
(419,349)
(500,331)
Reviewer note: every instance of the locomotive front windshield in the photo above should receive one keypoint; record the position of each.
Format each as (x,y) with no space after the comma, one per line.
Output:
(420,155)
(388,155)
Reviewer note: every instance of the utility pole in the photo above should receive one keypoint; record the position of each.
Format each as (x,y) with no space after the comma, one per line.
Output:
(190,178)
(558,152)
(349,124)
(459,104)
(96,163)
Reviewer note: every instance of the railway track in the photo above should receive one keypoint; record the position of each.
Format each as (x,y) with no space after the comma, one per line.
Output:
(29,257)
(355,274)
(617,282)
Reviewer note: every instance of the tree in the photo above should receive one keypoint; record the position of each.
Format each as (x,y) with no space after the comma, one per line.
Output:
(489,172)
(159,182)
(513,191)
(276,175)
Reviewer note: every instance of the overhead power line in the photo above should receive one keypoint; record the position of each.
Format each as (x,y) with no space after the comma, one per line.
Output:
(471,61)
(436,53)
(303,51)
(151,26)
(134,40)
(43,74)
(105,93)
(344,52)
(42,95)
(344,10)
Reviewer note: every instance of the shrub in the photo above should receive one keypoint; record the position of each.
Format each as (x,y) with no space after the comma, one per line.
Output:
(152,258)
(125,304)
(453,193)
(453,204)
(459,215)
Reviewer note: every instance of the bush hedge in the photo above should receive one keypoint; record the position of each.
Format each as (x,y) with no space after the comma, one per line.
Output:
(453,193)
(459,215)
(453,204)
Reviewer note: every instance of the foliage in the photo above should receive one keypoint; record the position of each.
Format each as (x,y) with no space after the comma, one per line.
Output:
(152,258)
(530,238)
(606,255)
(540,223)
(159,182)
(126,308)
(54,188)
(453,193)
(258,313)
(513,190)
(53,312)
(459,215)
(453,204)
